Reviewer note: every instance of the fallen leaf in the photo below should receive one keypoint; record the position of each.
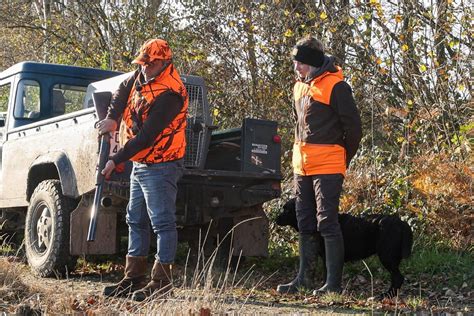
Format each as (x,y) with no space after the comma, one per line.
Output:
(205,311)
(91,300)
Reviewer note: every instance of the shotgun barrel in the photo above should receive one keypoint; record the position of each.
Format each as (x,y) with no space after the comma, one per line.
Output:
(101,102)
(103,157)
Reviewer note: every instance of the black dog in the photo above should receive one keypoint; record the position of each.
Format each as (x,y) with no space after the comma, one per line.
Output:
(385,235)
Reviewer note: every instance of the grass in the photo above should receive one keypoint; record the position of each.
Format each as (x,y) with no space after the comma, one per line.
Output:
(332,298)
(435,259)
(10,285)
(274,263)
(7,246)
(431,258)
(416,303)
(208,289)
(201,288)
(6,249)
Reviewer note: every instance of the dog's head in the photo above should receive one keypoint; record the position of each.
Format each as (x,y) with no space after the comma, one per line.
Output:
(288,216)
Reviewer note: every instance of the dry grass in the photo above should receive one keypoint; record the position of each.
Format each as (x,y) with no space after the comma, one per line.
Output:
(12,289)
(22,295)
(208,290)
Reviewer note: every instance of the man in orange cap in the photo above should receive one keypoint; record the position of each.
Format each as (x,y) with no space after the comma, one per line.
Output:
(153,105)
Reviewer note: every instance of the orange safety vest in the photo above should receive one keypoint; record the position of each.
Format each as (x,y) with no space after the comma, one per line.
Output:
(311,155)
(170,144)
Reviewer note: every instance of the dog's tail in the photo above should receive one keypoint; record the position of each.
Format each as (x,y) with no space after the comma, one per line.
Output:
(407,240)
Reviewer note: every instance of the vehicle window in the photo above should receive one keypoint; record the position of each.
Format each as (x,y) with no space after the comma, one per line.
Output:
(27,104)
(67,98)
(4,95)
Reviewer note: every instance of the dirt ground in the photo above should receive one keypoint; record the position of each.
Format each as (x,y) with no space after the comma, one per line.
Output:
(251,293)
(84,290)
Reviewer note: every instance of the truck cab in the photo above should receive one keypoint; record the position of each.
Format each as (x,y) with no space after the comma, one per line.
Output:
(33,95)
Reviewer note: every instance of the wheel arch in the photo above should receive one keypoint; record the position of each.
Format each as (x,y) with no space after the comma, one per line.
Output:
(53,165)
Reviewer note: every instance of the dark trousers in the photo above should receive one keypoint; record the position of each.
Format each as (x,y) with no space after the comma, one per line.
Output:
(317,203)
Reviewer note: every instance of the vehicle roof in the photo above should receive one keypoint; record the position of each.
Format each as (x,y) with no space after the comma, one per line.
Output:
(56,69)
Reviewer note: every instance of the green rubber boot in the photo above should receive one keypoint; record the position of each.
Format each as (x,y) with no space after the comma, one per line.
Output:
(334,247)
(309,248)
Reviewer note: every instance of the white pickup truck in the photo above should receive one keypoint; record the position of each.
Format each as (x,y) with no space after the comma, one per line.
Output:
(48,156)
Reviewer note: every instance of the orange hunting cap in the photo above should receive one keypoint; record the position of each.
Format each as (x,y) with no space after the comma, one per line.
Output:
(153,49)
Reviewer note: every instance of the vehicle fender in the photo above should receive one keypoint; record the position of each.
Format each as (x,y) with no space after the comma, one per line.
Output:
(53,165)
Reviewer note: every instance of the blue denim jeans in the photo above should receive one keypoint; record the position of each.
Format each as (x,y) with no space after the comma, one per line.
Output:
(152,203)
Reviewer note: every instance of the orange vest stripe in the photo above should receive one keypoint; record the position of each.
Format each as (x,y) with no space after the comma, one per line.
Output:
(321,88)
(313,159)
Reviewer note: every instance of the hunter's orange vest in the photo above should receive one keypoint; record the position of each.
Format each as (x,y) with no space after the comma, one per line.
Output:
(170,144)
(310,157)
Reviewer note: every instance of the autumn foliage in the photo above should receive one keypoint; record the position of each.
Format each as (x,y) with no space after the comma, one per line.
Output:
(407,62)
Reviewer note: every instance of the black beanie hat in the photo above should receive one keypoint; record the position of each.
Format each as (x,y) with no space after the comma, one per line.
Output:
(308,55)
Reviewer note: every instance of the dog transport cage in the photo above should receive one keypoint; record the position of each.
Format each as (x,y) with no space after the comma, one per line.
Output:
(198,129)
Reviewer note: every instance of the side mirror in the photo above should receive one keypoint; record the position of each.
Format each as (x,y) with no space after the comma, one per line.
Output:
(2,121)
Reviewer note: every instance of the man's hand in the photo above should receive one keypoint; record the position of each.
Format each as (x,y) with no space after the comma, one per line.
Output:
(107,126)
(109,167)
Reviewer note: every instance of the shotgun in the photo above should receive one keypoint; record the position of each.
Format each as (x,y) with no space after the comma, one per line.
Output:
(101,102)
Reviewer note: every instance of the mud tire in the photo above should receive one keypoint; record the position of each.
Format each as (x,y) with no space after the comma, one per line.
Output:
(47,230)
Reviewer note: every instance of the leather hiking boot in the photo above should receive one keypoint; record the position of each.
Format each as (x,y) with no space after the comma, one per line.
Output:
(160,282)
(334,247)
(308,247)
(135,278)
